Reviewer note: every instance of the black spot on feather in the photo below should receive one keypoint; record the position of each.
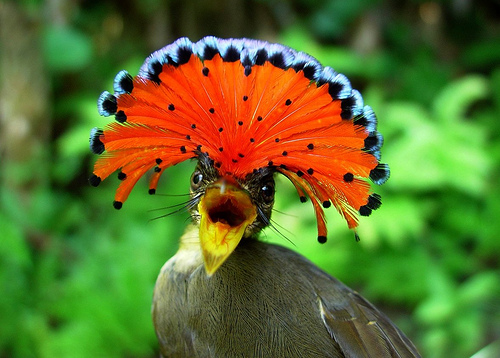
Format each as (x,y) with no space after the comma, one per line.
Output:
(346,105)
(94,180)
(334,89)
(261,57)
(155,68)
(380,174)
(374,201)
(309,72)
(107,104)
(232,54)
(96,146)
(278,60)
(365,211)
(348,177)
(120,116)
(125,82)
(183,55)
(209,52)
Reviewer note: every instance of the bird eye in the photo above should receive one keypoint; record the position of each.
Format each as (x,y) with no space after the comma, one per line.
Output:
(267,192)
(196,180)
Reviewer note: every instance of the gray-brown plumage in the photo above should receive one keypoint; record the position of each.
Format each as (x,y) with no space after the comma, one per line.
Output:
(264,301)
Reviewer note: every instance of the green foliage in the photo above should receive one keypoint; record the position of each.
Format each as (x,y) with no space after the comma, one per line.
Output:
(77,276)
(66,49)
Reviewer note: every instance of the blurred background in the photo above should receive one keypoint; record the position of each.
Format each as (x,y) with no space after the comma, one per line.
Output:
(76,276)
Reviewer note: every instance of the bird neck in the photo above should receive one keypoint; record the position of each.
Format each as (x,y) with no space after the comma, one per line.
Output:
(189,255)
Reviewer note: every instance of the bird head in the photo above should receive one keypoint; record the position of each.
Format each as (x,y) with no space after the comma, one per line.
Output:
(246,110)
(227,209)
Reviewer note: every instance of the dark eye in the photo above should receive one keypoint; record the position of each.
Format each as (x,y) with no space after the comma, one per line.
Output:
(196,180)
(267,192)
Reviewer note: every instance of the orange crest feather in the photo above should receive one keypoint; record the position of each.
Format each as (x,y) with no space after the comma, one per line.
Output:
(246,104)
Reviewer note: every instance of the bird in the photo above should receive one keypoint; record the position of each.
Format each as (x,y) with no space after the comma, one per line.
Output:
(246,111)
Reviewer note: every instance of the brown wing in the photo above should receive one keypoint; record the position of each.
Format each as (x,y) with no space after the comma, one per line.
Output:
(358,327)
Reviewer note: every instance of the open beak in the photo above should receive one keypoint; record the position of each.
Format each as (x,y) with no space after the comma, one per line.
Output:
(226,211)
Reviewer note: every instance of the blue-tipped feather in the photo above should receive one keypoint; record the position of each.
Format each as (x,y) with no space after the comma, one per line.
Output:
(96,146)
(124,82)
(106,104)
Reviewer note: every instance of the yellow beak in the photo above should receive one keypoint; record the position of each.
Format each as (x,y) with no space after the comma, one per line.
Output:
(226,211)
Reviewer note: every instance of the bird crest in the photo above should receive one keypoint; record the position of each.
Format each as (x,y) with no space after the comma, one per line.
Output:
(245,104)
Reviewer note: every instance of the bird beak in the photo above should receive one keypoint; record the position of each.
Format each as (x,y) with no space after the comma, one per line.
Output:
(226,211)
